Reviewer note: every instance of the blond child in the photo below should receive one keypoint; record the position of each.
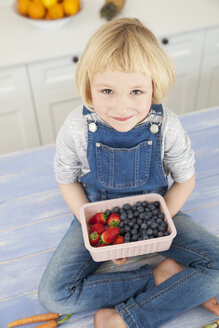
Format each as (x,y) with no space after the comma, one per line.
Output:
(123,142)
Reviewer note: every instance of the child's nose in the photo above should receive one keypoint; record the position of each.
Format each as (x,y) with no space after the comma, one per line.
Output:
(122,105)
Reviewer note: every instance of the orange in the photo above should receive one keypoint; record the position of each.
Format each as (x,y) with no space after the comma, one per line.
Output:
(56,11)
(22,6)
(71,7)
(47,16)
(36,10)
(48,3)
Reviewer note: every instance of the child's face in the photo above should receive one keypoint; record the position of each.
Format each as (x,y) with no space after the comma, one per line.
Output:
(121,99)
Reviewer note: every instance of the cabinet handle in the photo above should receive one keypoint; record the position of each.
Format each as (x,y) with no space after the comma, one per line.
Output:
(165,41)
(75,59)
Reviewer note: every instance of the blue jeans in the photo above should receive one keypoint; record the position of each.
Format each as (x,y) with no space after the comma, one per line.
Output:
(69,284)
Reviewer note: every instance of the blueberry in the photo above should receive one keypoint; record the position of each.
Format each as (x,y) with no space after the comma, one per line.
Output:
(138,204)
(126,207)
(134,207)
(131,224)
(134,232)
(166,233)
(140,209)
(142,215)
(127,228)
(159,221)
(135,237)
(121,225)
(123,216)
(149,232)
(155,232)
(136,226)
(115,209)
(160,234)
(122,231)
(160,216)
(136,214)
(107,212)
(139,221)
(144,226)
(125,221)
(144,203)
(155,211)
(148,216)
(154,225)
(157,204)
(143,232)
(127,237)
(149,222)
(130,215)
(161,228)
(152,206)
(145,237)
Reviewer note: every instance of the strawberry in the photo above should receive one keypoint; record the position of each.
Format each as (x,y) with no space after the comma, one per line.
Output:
(113,220)
(98,227)
(119,240)
(101,245)
(98,218)
(109,235)
(94,237)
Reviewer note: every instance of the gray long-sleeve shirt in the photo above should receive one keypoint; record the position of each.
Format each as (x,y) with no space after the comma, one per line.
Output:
(71,146)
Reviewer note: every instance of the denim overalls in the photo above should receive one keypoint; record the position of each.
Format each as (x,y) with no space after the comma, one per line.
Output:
(122,164)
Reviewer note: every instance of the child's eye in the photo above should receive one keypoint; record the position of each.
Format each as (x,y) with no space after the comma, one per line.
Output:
(136,92)
(107,91)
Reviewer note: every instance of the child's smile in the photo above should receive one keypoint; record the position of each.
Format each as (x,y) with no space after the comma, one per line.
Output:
(121,99)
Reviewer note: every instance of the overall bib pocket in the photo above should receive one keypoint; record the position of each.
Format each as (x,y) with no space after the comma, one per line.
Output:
(120,168)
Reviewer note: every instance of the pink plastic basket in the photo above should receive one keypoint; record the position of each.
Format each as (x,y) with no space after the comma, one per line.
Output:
(127,249)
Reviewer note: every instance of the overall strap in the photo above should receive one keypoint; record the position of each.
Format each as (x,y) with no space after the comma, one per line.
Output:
(86,111)
(157,109)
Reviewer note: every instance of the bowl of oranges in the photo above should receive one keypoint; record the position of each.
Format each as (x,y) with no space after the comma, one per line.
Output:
(47,13)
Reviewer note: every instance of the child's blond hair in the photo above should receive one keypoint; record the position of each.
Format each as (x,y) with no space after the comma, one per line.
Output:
(125,44)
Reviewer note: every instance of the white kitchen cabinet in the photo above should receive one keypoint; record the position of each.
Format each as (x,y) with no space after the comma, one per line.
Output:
(18,125)
(54,94)
(208,95)
(186,51)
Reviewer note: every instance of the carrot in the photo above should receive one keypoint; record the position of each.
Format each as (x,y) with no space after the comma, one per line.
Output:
(34,318)
(48,324)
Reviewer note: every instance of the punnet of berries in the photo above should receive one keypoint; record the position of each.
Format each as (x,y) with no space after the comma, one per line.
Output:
(128,223)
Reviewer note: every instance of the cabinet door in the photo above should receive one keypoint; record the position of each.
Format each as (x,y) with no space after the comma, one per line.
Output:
(208,95)
(18,128)
(54,94)
(186,51)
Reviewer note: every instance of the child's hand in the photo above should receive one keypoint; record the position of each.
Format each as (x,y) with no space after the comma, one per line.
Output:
(120,261)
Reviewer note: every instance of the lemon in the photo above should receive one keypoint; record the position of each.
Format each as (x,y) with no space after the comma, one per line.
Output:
(48,3)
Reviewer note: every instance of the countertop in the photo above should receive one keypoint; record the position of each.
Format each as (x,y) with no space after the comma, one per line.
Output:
(22,43)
